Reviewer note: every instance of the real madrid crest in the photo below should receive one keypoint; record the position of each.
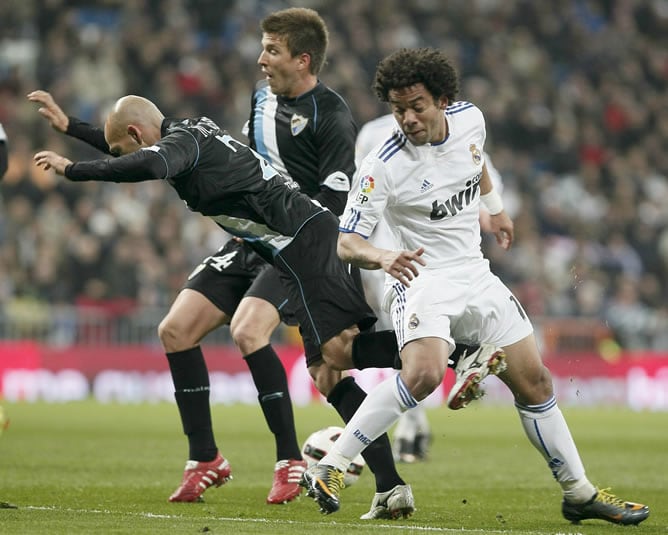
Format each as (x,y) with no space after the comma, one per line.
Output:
(297,124)
(475,154)
(413,322)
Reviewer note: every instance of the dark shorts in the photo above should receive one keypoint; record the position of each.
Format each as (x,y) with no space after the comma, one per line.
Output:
(330,300)
(236,271)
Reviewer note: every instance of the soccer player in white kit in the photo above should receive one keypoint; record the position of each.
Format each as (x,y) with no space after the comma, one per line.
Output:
(468,359)
(412,434)
(427,182)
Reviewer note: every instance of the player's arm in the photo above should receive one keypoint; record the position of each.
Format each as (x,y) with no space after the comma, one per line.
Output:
(335,141)
(500,223)
(136,167)
(65,124)
(174,154)
(402,265)
(4,152)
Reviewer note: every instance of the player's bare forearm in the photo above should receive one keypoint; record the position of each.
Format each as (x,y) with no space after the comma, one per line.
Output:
(402,265)
(355,250)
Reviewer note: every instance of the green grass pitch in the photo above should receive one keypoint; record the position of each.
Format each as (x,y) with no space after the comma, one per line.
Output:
(92,468)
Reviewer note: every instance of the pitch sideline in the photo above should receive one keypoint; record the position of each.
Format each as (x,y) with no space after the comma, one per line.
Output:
(411,528)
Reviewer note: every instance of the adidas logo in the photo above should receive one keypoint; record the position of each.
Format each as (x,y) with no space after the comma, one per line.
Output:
(426,186)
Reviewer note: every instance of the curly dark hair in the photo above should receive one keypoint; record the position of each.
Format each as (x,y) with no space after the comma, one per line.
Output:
(304,31)
(410,66)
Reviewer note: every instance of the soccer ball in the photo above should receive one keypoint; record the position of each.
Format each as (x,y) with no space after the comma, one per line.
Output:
(317,445)
(4,420)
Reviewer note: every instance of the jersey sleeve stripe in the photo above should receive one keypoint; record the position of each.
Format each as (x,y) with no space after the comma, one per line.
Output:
(351,222)
(391,146)
(315,113)
(457,107)
(261,99)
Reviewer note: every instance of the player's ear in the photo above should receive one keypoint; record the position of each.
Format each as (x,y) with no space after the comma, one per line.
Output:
(305,60)
(135,134)
(443,103)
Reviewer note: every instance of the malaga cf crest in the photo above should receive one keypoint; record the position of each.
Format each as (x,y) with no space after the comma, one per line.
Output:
(297,124)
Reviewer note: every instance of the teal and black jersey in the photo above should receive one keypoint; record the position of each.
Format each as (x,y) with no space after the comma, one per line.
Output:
(309,139)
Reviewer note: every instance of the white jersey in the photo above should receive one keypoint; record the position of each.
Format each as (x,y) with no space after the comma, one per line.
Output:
(371,133)
(437,186)
(382,127)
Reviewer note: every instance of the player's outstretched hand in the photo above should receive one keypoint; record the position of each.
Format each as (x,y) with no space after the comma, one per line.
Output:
(50,110)
(50,160)
(402,265)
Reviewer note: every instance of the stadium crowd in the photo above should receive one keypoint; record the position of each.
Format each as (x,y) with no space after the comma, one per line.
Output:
(575,94)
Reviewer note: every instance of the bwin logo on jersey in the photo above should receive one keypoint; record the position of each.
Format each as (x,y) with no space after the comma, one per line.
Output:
(457,202)
(297,124)
(475,154)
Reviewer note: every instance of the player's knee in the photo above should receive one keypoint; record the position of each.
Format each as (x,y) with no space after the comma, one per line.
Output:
(422,381)
(324,378)
(542,387)
(247,338)
(534,387)
(338,361)
(172,334)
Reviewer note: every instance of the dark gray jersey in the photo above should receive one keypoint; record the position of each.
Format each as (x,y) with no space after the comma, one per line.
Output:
(217,176)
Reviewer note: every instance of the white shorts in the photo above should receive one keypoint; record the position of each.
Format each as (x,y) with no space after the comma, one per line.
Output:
(468,304)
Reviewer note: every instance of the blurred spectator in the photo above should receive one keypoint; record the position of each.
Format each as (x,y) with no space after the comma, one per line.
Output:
(576,101)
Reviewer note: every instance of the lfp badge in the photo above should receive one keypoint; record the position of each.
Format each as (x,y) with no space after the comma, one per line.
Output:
(366,187)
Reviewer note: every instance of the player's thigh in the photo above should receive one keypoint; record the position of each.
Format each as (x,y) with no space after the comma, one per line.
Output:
(254,319)
(337,352)
(191,317)
(269,287)
(424,362)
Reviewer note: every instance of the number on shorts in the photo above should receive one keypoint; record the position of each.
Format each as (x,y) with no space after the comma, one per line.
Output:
(218,263)
(221,262)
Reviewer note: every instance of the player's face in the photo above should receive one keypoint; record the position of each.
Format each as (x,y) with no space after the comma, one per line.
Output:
(420,115)
(280,69)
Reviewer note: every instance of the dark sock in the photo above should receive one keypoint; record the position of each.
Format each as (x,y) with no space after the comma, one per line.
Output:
(346,397)
(272,386)
(376,349)
(191,390)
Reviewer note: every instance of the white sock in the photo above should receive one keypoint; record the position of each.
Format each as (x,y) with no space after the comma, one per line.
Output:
(379,410)
(547,430)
